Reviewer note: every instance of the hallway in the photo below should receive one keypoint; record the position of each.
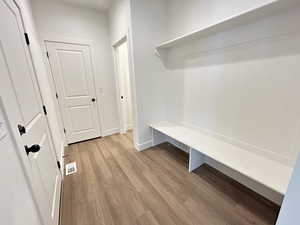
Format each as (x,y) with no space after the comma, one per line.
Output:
(117,185)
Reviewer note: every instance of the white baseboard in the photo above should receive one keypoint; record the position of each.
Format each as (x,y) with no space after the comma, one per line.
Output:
(111,132)
(56,200)
(143,146)
(129,127)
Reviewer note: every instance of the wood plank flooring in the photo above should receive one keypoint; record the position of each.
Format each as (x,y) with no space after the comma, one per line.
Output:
(115,185)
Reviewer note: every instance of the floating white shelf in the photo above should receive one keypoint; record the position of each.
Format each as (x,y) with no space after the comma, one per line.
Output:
(245,17)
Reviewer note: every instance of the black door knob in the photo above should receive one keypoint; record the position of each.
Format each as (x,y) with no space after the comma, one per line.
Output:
(93,99)
(122,97)
(33,149)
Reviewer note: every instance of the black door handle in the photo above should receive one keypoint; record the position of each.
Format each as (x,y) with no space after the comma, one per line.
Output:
(93,99)
(33,149)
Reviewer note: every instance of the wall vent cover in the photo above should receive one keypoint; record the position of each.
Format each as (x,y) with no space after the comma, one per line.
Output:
(71,168)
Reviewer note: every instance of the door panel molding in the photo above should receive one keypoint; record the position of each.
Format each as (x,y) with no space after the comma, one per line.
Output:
(63,67)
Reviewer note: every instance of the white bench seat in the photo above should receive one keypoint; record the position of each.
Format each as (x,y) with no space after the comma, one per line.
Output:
(272,174)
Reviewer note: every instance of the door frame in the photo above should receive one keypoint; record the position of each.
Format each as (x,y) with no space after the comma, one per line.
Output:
(34,71)
(83,42)
(15,136)
(118,83)
(126,37)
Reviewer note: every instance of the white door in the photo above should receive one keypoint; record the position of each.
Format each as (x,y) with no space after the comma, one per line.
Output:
(124,84)
(17,205)
(22,100)
(71,66)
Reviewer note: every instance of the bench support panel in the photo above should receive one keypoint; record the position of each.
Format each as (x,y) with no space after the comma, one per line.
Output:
(158,138)
(196,159)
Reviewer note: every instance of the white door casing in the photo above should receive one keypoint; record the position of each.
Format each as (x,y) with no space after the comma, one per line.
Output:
(22,100)
(124,86)
(72,70)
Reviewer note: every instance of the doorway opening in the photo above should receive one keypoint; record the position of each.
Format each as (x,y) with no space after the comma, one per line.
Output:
(124,87)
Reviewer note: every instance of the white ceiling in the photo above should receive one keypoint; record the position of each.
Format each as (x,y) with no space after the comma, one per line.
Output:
(95,4)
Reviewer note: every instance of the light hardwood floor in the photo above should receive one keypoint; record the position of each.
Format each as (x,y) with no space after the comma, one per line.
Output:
(116,185)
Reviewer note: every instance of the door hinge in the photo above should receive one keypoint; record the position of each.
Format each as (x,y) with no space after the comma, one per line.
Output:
(27,38)
(65,131)
(56,95)
(45,110)
(58,165)
(47,53)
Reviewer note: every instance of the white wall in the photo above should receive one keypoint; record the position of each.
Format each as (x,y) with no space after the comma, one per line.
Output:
(148,28)
(36,53)
(143,21)
(289,213)
(119,20)
(59,20)
(188,16)
(243,94)
(246,95)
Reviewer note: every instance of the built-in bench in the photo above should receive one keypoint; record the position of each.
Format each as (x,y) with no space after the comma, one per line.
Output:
(270,173)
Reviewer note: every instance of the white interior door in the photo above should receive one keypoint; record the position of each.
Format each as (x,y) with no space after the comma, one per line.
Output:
(17,205)
(124,87)
(71,66)
(22,100)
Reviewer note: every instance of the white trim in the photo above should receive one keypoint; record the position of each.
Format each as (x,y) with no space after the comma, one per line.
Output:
(62,162)
(117,82)
(66,40)
(124,39)
(133,86)
(127,37)
(129,127)
(53,93)
(56,199)
(144,146)
(110,132)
